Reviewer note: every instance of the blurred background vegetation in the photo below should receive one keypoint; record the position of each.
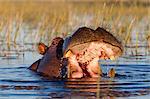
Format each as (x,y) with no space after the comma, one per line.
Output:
(27,22)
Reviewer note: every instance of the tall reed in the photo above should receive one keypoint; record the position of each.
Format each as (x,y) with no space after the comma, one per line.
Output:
(35,21)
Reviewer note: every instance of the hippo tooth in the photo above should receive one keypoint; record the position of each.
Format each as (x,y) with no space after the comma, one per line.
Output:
(112,58)
(68,54)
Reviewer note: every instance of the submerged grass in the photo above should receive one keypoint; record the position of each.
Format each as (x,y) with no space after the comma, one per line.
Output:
(39,21)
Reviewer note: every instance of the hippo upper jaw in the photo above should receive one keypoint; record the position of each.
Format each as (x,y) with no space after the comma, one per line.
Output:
(85,37)
(95,49)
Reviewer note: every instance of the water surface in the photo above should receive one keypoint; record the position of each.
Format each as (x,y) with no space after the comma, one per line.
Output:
(132,80)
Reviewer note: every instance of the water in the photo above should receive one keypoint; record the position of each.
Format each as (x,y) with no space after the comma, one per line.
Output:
(132,80)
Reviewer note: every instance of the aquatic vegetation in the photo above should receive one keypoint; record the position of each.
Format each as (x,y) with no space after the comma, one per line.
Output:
(21,21)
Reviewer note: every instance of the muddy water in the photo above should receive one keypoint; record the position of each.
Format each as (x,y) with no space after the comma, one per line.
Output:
(132,80)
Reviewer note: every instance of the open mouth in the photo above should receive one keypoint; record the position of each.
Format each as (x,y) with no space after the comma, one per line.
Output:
(86,61)
(87,58)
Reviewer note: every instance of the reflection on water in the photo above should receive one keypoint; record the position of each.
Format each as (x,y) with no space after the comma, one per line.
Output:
(132,80)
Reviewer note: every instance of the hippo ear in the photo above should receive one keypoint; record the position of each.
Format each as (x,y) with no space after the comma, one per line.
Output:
(42,48)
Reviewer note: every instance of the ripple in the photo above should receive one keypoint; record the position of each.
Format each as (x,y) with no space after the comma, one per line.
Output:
(131,80)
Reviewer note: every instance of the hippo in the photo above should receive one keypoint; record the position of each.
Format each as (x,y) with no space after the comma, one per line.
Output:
(77,55)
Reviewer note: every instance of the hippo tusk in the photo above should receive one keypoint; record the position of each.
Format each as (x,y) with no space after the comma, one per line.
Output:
(68,54)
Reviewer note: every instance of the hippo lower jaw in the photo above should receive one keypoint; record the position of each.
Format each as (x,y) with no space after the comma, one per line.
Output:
(85,63)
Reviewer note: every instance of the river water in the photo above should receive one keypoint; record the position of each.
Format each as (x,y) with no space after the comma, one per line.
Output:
(17,82)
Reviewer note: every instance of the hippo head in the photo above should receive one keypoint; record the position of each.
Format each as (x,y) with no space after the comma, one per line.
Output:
(85,47)
(78,54)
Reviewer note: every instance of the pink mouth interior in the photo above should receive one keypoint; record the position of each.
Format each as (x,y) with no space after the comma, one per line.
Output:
(87,55)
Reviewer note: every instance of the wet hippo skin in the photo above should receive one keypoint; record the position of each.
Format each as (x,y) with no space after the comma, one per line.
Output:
(49,64)
(81,52)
